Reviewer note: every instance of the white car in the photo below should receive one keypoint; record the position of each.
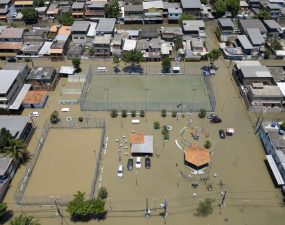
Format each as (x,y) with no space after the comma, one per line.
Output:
(120,171)
(34,114)
(138,162)
(15,15)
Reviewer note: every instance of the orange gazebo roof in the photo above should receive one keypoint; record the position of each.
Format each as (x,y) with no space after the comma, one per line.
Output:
(197,156)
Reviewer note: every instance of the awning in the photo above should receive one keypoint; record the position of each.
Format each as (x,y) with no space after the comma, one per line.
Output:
(231,130)
(16,3)
(55,51)
(275,170)
(18,101)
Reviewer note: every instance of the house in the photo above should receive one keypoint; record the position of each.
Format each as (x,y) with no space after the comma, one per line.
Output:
(265,95)
(30,48)
(79,31)
(43,78)
(95,9)
(153,11)
(102,45)
(61,41)
(143,45)
(245,44)
(225,26)
(19,127)
(274,10)
(194,28)
(277,2)
(116,45)
(35,35)
(173,14)
(129,45)
(254,3)
(19,4)
(45,50)
(35,99)
(193,7)
(154,53)
(166,49)
(4,9)
(133,13)
(12,90)
(106,26)
(53,10)
(273,29)
(171,33)
(249,72)
(251,23)
(10,42)
(148,33)
(255,38)
(78,10)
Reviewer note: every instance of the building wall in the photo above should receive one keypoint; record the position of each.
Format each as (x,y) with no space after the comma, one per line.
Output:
(79,38)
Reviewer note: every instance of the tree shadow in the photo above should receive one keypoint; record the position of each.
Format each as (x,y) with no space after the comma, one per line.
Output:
(87,218)
(6,217)
(116,69)
(133,69)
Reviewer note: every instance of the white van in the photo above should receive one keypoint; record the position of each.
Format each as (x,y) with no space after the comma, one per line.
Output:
(64,110)
(120,171)
(101,69)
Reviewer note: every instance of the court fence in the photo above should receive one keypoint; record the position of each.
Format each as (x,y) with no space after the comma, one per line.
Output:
(68,123)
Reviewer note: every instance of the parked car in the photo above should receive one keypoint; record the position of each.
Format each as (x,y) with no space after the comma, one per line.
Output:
(212,116)
(120,171)
(147,163)
(216,120)
(15,14)
(130,164)
(34,114)
(222,134)
(138,162)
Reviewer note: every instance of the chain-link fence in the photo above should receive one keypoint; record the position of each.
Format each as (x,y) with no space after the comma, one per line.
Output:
(19,195)
(210,91)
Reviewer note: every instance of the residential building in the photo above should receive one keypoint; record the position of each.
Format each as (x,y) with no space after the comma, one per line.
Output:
(193,7)
(60,43)
(95,9)
(30,48)
(255,38)
(133,13)
(19,4)
(12,34)
(251,23)
(102,45)
(35,99)
(277,2)
(148,32)
(21,67)
(273,28)
(53,10)
(274,10)
(12,90)
(254,3)
(225,26)
(78,10)
(116,45)
(7,172)
(194,28)
(171,33)
(79,31)
(244,43)
(106,26)
(43,78)
(129,45)
(153,12)
(173,14)
(4,9)
(35,35)
(265,95)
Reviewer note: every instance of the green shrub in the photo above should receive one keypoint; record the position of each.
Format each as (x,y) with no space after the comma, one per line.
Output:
(114,113)
(202,113)
(163,113)
(205,208)
(133,113)
(124,113)
(207,144)
(103,193)
(156,125)
(54,117)
(142,114)
(173,113)
(80,119)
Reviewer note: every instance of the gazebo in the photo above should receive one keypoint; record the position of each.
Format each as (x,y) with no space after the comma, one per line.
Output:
(141,144)
(196,157)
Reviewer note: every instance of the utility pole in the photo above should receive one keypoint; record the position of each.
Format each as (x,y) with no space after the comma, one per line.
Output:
(164,205)
(147,210)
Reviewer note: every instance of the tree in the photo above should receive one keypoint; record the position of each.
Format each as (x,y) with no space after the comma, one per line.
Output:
(17,150)
(233,6)
(113,9)
(282,126)
(91,51)
(80,119)
(142,113)
(205,208)
(207,144)
(165,132)
(214,54)
(114,113)
(267,54)
(5,138)
(178,42)
(276,45)
(205,2)
(24,220)
(166,64)
(3,209)
(54,117)
(30,15)
(202,113)
(76,63)
(174,113)
(133,56)
(66,19)
(116,59)
(39,3)
(133,113)
(185,16)
(156,125)
(220,7)
(102,193)
(263,15)
(163,113)
(124,113)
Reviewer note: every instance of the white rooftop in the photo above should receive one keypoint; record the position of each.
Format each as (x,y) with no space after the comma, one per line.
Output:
(129,45)
(7,78)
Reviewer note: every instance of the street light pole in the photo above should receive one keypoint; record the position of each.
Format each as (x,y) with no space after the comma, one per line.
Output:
(194,91)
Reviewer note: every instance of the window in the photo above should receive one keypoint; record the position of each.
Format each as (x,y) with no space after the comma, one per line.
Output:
(81,37)
(75,37)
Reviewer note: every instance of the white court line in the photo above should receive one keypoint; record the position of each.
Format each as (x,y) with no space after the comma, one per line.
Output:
(102,169)
(107,138)
(99,185)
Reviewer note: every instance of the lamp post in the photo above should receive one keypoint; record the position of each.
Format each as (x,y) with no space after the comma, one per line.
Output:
(107,95)
(194,91)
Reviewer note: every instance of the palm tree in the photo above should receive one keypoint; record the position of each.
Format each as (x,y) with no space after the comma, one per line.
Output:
(24,220)
(16,150)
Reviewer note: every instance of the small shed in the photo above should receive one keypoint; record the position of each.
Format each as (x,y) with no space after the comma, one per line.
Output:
(196,157)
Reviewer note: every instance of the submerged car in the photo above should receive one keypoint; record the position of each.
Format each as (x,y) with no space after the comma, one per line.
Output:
(222,134)
(147,163)
(130,164)
(138,162)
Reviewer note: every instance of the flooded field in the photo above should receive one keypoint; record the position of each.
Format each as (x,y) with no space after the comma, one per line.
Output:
(66,163)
